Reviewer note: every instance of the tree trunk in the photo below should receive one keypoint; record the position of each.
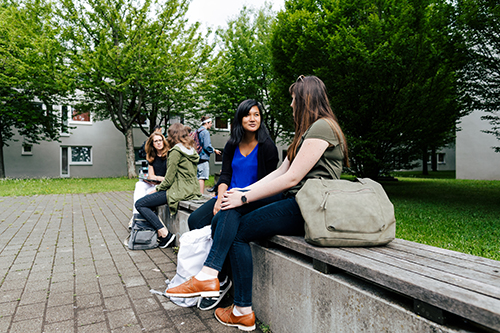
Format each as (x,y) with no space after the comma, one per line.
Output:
(2,168)
(425,158)
(434,162)
(130,154)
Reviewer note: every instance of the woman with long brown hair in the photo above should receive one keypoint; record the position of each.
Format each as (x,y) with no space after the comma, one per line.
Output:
(180,182)
(156,148)
(268,207)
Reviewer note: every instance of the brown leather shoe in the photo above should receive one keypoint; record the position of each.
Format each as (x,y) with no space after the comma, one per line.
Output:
(226,317)
(194,288)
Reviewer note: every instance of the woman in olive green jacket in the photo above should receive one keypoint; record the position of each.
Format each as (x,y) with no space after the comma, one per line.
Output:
(180,182)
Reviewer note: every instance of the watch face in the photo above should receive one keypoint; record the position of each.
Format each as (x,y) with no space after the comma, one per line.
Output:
(243,199)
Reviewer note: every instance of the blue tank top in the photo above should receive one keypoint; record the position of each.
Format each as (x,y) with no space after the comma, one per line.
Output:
(244,168)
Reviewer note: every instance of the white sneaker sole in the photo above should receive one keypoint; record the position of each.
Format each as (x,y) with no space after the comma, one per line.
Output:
(169,242)
(223,293)
(200,293)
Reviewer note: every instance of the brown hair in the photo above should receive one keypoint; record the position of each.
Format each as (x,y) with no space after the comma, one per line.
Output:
(151,152)
(311,103)
(178,133)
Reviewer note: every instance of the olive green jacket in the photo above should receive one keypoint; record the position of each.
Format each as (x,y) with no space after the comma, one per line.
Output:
(180,180)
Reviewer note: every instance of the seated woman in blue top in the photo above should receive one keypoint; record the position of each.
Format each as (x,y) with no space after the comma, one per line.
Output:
(248,156)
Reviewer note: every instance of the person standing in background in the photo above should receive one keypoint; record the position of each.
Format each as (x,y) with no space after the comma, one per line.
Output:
(207,149)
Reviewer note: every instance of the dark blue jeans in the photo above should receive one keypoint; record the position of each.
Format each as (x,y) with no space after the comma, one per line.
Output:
(146,205)
(236,228)
(202,216)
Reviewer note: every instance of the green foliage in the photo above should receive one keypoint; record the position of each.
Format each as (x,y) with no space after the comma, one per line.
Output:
(479,22)
(242,69)
(459,215)
(32,70)
(133,60)
(390,68)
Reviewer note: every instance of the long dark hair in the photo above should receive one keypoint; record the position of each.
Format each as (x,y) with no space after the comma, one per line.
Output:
(311,103)
(237,131)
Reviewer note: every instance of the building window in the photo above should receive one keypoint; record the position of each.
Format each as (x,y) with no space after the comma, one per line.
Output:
(64,162)
(80,116)
(81,155)
(27,149)
(143,121)
(440,158)
(221,124)
(64,120)
(76,116)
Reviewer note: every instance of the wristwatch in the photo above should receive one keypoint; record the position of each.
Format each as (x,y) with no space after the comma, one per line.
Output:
(244,199)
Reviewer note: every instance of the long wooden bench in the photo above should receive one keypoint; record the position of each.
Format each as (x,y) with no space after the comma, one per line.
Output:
(458,291)
(445,286)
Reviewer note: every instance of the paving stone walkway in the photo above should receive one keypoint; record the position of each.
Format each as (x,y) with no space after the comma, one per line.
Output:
(63,268)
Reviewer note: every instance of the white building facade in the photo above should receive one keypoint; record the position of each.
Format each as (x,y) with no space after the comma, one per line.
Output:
(475,159)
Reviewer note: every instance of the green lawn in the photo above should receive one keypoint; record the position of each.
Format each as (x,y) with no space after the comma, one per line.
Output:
(460,215)
(20,187)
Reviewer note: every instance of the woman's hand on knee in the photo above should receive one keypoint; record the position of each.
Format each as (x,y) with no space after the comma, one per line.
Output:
(231,199)
(217,205)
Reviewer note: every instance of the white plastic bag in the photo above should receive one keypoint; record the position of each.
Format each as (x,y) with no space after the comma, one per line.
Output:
(193,250)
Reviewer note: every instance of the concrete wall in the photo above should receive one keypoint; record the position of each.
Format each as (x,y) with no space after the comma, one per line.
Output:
(474,156)
(108,153)
(290,296)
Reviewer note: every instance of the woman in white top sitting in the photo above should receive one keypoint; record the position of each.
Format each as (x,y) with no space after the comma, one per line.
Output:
(156,154)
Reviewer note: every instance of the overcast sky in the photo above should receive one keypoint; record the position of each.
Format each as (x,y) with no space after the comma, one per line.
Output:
(215,13)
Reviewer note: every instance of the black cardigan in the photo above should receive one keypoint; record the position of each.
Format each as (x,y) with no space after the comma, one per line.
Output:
(267,161)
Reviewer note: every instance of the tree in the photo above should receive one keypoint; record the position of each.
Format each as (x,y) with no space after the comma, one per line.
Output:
(479,22)
(133,60)
(390,67)
(32,73)
(242,68)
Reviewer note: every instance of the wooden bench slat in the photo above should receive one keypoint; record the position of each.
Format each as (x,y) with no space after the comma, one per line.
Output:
(444,266)
(424,269)
(476,307)
(480,262)
(469,266)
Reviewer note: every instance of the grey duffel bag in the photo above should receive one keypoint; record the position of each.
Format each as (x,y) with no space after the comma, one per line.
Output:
(142,235)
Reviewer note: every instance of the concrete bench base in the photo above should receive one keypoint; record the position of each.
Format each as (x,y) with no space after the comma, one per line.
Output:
(178,224)
(289,293)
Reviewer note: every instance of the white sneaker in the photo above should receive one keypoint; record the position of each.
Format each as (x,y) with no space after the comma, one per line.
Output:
(208,303)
